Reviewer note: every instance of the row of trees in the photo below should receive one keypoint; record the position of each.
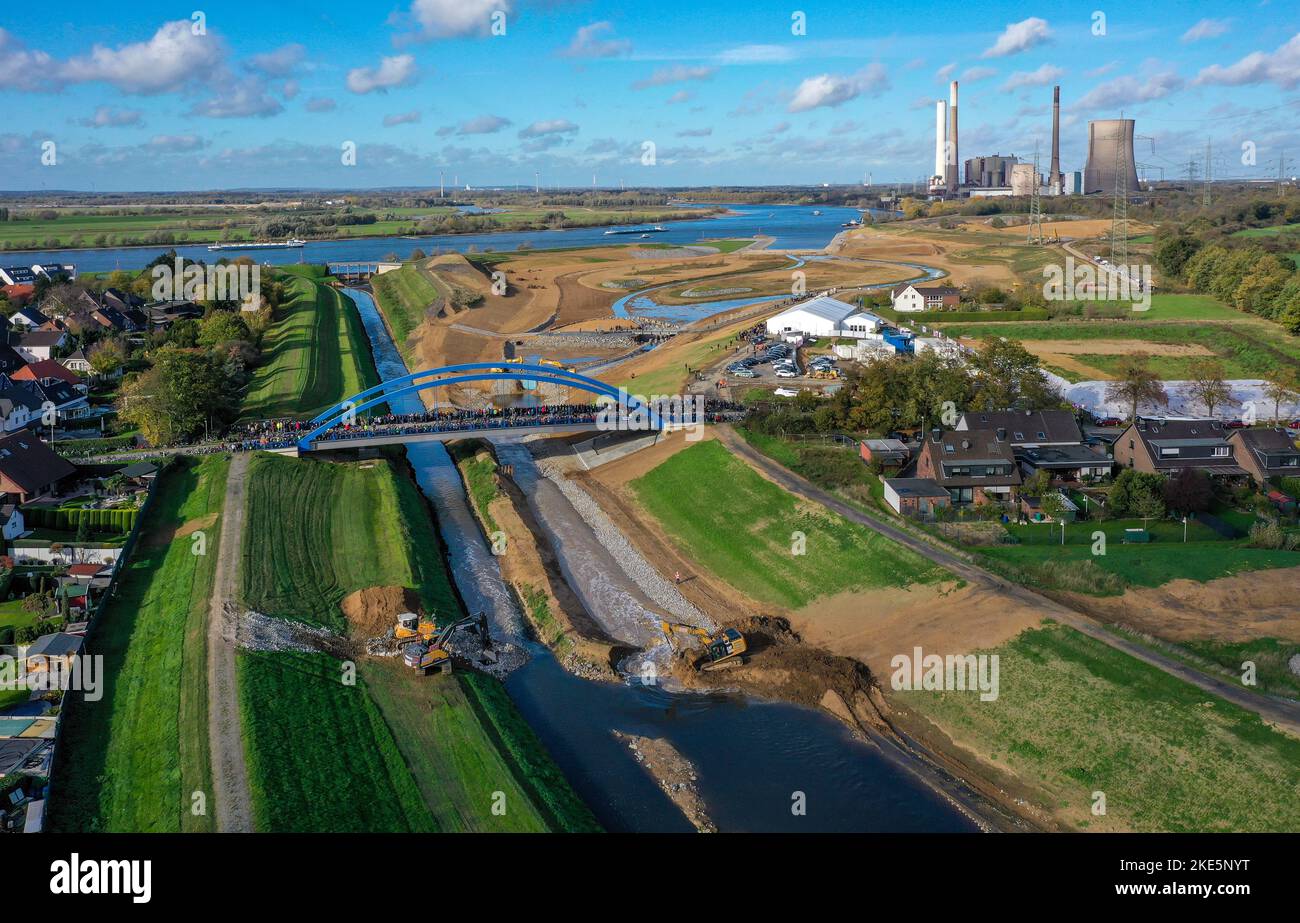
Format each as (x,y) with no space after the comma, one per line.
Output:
(1137,385)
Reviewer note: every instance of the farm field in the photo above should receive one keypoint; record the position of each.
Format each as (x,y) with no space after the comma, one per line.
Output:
(314,355)
(131,761)
(739,526)
(1248,348)
(1074,717)
(316,532)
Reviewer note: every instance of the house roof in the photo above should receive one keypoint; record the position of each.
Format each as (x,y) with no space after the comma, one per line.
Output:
(824,307)
(1062,456)
(59,644)
(1181,429)
(974,447)
(933,290)
(30,464)
(31,315)
(78,356)
(138,470)
(47,368)
(84,570)
(916,487)
(1034,427)
(42,338)
(10,360)
(1268,445)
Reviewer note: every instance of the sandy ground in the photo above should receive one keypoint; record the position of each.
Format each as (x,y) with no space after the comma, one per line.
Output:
(914,245)
(675,775)
(225,737)
(1083,228)
(1261,604)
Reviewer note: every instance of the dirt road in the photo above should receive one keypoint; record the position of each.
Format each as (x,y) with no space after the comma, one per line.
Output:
(229,773)
(1283,714)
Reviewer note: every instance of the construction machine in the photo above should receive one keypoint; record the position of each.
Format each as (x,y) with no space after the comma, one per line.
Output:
(434,657)
(411,627)
(725,648)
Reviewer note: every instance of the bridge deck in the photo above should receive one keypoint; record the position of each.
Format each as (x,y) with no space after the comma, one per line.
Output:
(396,438)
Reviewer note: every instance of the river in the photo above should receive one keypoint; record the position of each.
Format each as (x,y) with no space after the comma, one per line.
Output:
(752,758)
(794,227)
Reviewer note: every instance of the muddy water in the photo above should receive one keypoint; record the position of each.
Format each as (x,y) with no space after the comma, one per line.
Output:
(756,760)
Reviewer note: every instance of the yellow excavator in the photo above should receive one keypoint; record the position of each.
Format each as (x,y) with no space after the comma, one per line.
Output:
(411,627)
(434,657)
(725,648)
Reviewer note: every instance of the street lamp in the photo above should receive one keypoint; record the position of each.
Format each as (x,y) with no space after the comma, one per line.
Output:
(1184,530)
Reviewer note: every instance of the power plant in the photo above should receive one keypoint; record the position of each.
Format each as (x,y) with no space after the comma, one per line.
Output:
(1110,157)
(1110,148)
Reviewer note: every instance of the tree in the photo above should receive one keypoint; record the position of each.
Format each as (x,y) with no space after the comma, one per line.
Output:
(1008,376)
(1189,491)
(1207,384)
(107,356)
(1147,506)
(175,399)
(1281,386)
(1136,384)
(221,327)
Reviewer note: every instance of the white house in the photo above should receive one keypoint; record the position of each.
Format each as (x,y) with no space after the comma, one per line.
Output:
(908,299)
(823,316)
(41,344)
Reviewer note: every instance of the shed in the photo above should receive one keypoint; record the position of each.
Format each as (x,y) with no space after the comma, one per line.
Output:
(915,496)
(889,452)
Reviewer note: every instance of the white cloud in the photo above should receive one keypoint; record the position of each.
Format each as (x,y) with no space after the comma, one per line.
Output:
(321,104)
(1127,90)
(482,125)
(21,69)
(833,90)
(176,144)
(695,133)
(976,74)
(590,41)
(1036,78)
(1281,67)
(1207,28)
(756,54)
(944,73)
(173,57)
(456,18)
(548,127)
(237,99)
(108,117)
(396,71)
(402,118)
(1018,37)
(681,96)
(679,73)
(281,62)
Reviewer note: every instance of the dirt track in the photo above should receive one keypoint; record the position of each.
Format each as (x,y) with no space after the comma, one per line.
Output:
(225,738)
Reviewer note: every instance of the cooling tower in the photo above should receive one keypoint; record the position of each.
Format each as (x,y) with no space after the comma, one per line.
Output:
(1110,145)
(950,173)
(1055,180)
(940,140)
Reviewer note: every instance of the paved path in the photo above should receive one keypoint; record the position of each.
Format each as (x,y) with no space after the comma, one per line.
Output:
(1285,715)
(225,739)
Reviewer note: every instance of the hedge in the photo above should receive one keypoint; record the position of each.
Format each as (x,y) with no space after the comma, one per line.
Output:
(965,317)
(68,519)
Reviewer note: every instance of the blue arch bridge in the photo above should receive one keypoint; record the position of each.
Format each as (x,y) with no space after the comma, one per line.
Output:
(342,427)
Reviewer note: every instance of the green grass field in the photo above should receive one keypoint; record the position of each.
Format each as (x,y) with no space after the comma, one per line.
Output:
(317,531)
(314,355)
(1074,717)
(741,527)
(404,296)
(131,761)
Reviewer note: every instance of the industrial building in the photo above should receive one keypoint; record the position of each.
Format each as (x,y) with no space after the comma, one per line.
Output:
(989,172)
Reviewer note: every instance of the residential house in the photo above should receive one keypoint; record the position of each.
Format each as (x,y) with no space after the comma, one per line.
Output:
(162,314)
(41,344)
(47,370)
(17,275)
(12,524)
(77,362)
(28,317)
(1042,440)
(1168,446)
(19,405)
(1265,453)
(56,272)
(915,496)
(18,295)
(55,651)
(30,469)
(10,361)
(909,298)
(140,474)
(974,466)
(69,402)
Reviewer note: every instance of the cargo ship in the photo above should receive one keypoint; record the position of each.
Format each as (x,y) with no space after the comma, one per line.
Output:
(654,230)
(271,245)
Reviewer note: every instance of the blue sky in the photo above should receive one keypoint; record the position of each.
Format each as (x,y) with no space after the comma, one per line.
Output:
(141,96)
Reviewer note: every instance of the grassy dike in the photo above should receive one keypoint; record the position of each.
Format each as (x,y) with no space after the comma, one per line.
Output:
(314,354)
(395,751)
(132,761)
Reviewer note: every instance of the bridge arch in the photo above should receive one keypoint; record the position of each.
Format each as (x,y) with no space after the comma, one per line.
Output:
(478,371)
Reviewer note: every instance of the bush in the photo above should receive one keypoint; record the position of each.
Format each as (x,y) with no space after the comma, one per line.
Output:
(1271,535)
(7,635)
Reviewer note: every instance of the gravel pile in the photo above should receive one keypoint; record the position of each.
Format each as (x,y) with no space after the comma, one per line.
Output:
(258,632)
(650,581)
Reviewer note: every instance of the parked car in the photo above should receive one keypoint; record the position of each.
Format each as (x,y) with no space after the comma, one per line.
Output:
(744,373)
(786,373)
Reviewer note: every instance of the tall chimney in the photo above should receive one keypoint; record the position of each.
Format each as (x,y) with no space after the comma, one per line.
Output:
(951,174)
(1056,181)
(940,142)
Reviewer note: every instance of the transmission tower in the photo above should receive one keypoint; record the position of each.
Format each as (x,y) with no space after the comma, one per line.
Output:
(1282,164)
(1035,206)
(1119,210)
(1205,186)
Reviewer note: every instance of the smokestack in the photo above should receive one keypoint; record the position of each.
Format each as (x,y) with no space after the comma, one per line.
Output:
(951,173)
(1056,181)
(940,141)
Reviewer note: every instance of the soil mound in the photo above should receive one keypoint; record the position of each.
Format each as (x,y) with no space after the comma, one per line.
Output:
(375,609)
